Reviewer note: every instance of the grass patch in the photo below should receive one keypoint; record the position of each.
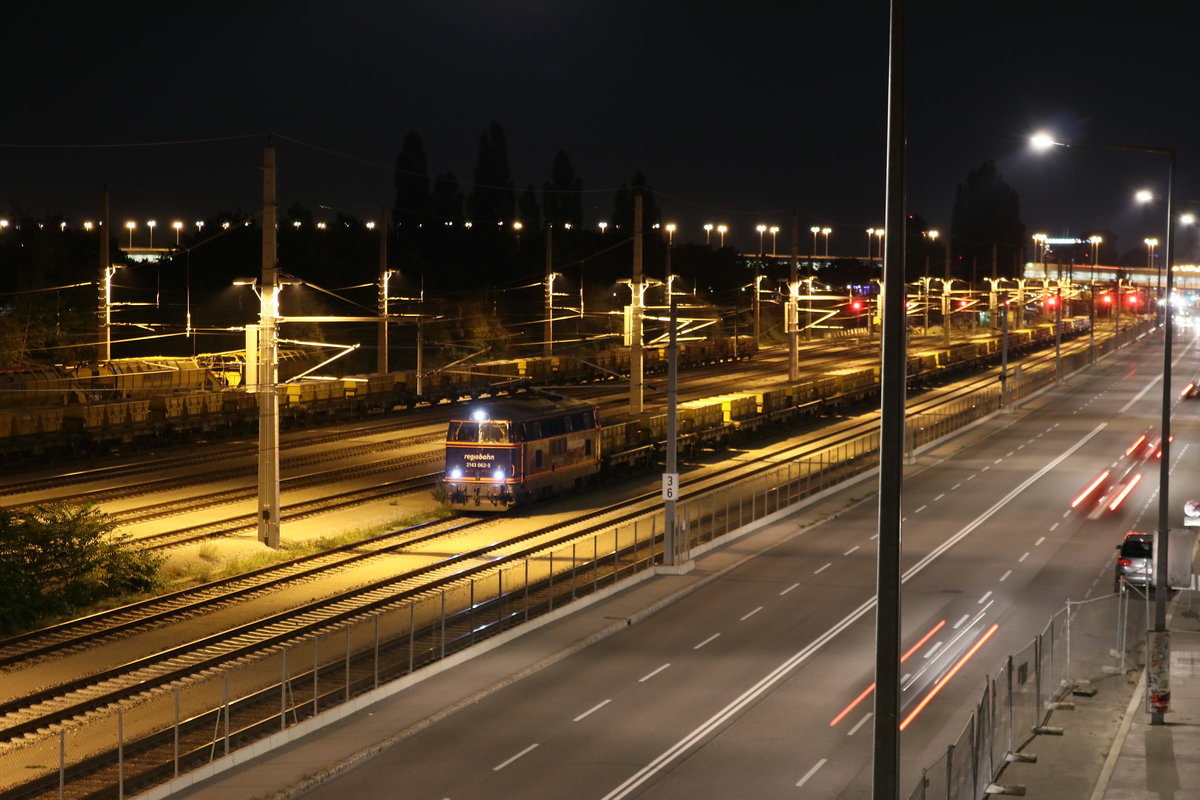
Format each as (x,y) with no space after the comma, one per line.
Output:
(212,562)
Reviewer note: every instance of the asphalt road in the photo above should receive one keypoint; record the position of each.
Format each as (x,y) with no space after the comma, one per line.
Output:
(739,690)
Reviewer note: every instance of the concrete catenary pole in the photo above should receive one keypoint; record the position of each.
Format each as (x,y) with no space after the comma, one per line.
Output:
(105,293)
(635,344)
(268,367)
(793,289)
(381,358)
(548,346)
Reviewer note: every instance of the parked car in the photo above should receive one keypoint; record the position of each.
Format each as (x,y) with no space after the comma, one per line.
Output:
(1135,565)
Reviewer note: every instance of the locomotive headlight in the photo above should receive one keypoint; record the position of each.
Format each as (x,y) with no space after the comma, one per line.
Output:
(456,473)
(479,415)
(499,475)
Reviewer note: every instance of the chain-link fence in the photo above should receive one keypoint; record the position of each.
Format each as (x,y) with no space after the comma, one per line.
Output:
(1084,643)
(150,739)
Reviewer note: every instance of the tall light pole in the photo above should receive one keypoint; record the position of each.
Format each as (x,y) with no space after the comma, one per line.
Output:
(825,232)
(1158,649)
(870,234)
(774,232)
(708,229)
(151,224)
(722,229)
(761,230)
(178,226)
(815,230)
(130,225)
(1152,243)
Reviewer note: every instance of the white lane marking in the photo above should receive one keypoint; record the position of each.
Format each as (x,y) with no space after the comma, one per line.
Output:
(939,497)
(998,460)
(932,650)
(1021,447)
(1052,527)
(788,589)
(859,724)
(1066,513)
(648,676)
(1004,577)
(1010,452)
(971,477)
(955,486)
(874,536)
(811,772)
(751,614)
(919,510)
(851,550)
(985,469)
(683,745)
(985,597)
(596,707)
(1039,541)
(958,624)
(904,678)
(504,764)
(819,570)
(1022,558)
(706,641)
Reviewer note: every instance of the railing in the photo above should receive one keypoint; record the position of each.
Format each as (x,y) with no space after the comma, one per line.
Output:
(1092,642)
(152,739)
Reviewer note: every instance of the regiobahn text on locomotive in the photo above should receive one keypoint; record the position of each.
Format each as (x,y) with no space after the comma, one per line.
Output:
(508,452)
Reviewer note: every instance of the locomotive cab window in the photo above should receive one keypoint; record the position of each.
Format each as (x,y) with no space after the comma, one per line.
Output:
(490,432)
(463,432)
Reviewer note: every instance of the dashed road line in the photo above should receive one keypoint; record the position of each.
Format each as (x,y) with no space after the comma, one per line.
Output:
(985,597)
(593,709)
(819,570)
(811,772)
(788,589)
(1004,577)
(706,641)
(504,764)
(750,614)
(650,675)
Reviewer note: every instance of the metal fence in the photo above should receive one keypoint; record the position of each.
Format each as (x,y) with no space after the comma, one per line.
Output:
(1088,642)
(150,739)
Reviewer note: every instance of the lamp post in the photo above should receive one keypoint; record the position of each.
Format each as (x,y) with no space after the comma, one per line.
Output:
(150,224)
(825,232)
(1158,658)
(1151,243)
(815,230)
(1039,250)
(870,233)
(708,228)
(722,229)
(774,233)
(130,225)
(761,230)
(178,226)
(603,227)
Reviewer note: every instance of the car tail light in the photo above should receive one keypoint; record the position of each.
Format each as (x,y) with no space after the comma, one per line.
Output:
(1133,447)
(1091,488)
(1121,495)
(1124,562)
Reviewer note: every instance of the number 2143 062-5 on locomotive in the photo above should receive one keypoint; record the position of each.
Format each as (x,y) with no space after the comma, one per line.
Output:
(511,452)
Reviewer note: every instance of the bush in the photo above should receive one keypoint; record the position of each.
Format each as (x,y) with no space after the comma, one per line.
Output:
(58,559)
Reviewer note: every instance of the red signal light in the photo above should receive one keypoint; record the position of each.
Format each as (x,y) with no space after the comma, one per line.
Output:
(1106,299)
(856,305)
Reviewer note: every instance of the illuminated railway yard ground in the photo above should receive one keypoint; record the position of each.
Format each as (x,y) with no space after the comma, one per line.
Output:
(33,666)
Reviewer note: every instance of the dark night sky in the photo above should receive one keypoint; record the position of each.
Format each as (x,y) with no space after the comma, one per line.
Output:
(737,113)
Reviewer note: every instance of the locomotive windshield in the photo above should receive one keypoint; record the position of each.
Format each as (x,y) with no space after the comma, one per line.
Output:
(489,432)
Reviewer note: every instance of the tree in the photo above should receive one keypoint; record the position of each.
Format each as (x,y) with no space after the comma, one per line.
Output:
(622,216)
(447,205)
(528,211)
(413,199)
(492,200)
(986,219)
(562,195)
(58,559)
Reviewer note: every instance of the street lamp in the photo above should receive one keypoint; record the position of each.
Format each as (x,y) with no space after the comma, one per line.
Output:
(150,224)
(774,229)
(722,230)
(1151,243)
(178,226)
(708,228)
(1039,250)
(815,230)
(130,225)
(603,227)
(1158,641)
(826,232)
(761,230)
(1095,240)
(870,233)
